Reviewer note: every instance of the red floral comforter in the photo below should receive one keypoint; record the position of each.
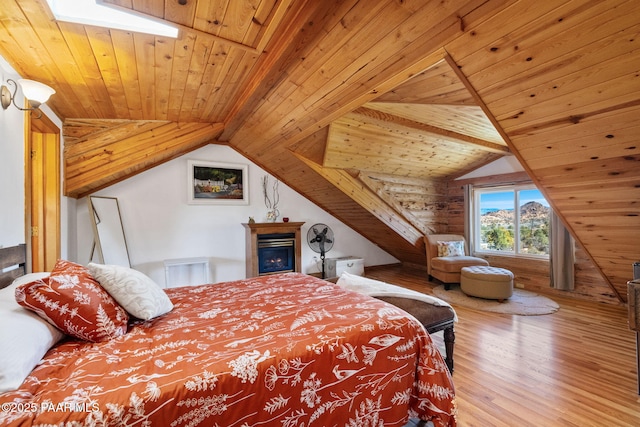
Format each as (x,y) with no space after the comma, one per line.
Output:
(283,350)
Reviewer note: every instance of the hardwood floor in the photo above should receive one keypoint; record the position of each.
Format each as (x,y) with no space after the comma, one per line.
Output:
(576,367)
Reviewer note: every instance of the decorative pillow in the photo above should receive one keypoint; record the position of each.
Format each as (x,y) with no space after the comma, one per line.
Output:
(71,299)
(135,292)
(24,337)
(451,248)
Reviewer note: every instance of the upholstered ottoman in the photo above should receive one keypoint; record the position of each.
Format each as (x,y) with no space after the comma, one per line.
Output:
(486,282)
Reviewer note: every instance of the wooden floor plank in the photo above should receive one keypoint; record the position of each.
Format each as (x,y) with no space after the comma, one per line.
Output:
(576,367)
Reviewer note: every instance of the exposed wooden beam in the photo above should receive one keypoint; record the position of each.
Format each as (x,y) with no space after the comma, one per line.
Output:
(366,198)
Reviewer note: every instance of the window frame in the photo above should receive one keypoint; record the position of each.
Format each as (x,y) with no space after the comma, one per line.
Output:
(474,207)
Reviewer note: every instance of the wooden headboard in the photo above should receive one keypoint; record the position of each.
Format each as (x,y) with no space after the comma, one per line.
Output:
(14,256)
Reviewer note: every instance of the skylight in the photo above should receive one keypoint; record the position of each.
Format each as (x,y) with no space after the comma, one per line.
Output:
(87,12)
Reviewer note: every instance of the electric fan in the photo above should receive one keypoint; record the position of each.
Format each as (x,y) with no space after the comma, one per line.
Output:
(320,238)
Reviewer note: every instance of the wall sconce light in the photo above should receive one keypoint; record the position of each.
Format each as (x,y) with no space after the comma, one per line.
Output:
(36,94)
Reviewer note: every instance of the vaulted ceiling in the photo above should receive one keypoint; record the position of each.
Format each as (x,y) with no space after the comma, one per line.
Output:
(368,108)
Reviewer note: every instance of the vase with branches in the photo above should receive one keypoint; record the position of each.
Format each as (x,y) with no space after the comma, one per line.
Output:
(271,198)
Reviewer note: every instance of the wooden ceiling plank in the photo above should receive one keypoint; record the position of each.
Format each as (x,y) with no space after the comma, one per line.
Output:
(76,129)
(268,69)
(145,54)
(566,72)
(570,151)
(569,85)
(483,34)
(463,119)
(220,86)
(130,154)
(183,14)
(184,30)
(202,48)
(622,219)
(238,21)
(597,206)
(354,137)
(437,85)
(539,36)
(319,59)
(425,128)
(588,194)
(65,68)
(399,156)
(610,95)
(360,53)
(103,50)
(358,136)
(596,171)
(163,62)
(271,23)
(97,101)
(149,7)
(124,136)
(209,16)
(591,126)
(378,81)
(183,49)
(337,68)
(124,51)
(34,60)
(105,132)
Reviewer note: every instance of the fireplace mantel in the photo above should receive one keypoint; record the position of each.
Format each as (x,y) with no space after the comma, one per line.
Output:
(254,230)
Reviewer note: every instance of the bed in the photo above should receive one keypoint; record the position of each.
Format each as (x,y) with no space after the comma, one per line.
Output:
(285,349)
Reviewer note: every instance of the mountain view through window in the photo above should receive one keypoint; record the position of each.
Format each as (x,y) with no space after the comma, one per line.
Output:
(501,227)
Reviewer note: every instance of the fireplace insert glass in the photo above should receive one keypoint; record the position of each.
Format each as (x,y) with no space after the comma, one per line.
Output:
(276,253)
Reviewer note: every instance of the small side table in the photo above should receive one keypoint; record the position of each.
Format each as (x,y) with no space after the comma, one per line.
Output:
(186,272)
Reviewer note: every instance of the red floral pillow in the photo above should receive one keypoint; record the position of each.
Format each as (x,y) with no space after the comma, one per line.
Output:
(72,300)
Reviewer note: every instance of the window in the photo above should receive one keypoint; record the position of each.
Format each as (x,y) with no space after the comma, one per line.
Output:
(500,227)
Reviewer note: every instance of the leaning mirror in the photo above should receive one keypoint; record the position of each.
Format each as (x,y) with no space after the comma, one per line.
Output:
(108,232)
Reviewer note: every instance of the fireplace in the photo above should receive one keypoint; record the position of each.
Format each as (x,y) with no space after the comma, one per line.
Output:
(276,253)
(273,247)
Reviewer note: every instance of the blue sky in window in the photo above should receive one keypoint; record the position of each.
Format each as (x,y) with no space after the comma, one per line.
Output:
(504,200)
(532,196)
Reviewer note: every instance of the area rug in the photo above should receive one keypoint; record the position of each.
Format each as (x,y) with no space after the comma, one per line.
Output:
(524,303)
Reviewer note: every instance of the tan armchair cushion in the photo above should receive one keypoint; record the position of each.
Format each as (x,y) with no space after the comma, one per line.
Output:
(455,263)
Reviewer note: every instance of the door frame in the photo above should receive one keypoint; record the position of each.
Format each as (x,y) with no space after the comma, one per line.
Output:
(42,191)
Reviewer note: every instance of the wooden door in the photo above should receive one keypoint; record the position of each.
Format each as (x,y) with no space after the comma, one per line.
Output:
(43,193)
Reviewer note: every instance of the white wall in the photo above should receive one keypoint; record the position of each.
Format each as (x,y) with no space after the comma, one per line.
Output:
(160,224)
(506,164)
(12,169)
(12,227)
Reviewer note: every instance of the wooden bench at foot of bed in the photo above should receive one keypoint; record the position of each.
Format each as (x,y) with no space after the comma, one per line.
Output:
(434,318)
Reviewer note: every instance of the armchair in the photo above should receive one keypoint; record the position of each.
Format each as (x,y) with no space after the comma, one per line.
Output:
(447,268)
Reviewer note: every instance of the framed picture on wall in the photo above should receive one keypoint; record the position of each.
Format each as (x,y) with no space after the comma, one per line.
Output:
(217,183)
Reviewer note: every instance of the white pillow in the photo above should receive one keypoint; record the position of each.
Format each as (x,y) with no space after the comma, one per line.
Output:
(24,336)
(135,292)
